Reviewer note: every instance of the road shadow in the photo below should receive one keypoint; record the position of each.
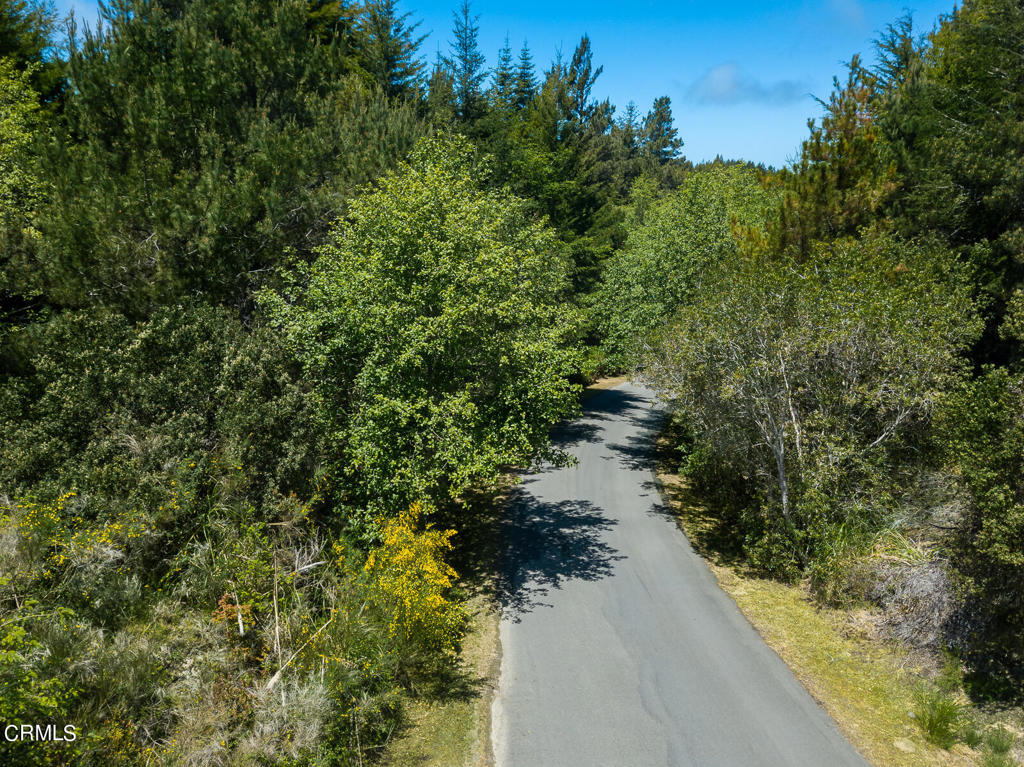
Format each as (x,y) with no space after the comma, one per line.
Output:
(546,544)
(600,406)
(639,451)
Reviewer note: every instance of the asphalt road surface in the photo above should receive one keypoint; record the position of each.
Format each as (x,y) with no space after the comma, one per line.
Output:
(618,647)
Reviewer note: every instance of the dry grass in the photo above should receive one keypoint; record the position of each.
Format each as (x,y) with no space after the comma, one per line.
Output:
(605,383)
(456,733)
(865,683)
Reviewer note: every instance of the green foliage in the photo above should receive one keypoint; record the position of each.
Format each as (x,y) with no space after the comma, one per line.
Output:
(937,714)
(18,121)
(29,693)
(114,407)
(27,39)
(807,379)
(1000,740)
(20,188)
(953,124)
(682,238)
(390,50)
(842,177)
(434,326)
(233,134)
(466,65)
(982,430)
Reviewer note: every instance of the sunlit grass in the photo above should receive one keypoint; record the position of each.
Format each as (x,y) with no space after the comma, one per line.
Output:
(455,732)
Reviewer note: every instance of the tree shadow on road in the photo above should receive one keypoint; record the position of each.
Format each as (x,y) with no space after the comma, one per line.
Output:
(606,405)
(639,451)
(547,544)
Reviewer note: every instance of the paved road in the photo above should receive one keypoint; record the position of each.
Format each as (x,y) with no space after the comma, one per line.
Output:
(618,647)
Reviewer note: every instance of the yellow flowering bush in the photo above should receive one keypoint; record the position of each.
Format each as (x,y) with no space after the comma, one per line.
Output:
(409,581)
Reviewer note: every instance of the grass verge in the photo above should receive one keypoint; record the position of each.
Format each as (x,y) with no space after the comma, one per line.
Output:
(455,732)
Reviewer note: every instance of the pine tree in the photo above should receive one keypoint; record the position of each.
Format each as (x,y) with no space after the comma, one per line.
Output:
(628,128)
(199,143)
(660,138)
(441,105)
(390,52)
(503,90)
(579,80)
(467,64)
(526,83)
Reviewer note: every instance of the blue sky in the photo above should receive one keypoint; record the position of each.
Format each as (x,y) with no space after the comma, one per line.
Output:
(741,75)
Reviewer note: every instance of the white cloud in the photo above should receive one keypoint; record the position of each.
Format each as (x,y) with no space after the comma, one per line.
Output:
(725,84)
(850,11)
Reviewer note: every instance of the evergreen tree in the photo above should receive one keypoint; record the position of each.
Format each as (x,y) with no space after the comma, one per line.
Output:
(467,64)
(526,83)
(660,138)
(503,89)
(198,144)
(390,52)
(953,124)
(441,106)
(579,82)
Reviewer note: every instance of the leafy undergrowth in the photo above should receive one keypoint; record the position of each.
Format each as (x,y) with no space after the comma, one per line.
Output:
(870,686)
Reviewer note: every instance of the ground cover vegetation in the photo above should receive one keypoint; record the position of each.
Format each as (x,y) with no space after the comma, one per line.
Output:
(277,296)
(841,345)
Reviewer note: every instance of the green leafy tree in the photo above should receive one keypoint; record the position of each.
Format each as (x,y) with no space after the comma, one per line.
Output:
(809,380)
(435,326)
(20,188)
(683,237)
(19,120)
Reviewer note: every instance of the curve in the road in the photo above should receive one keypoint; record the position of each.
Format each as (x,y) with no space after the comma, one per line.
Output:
(618,647)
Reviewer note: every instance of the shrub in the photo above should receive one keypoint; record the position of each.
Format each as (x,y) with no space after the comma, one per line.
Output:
(810,378)
(409,581)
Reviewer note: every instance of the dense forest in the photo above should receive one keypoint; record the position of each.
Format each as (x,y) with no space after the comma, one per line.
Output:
(277,293)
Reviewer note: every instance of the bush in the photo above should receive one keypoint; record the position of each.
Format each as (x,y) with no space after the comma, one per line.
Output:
(982,432)
(410,583)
